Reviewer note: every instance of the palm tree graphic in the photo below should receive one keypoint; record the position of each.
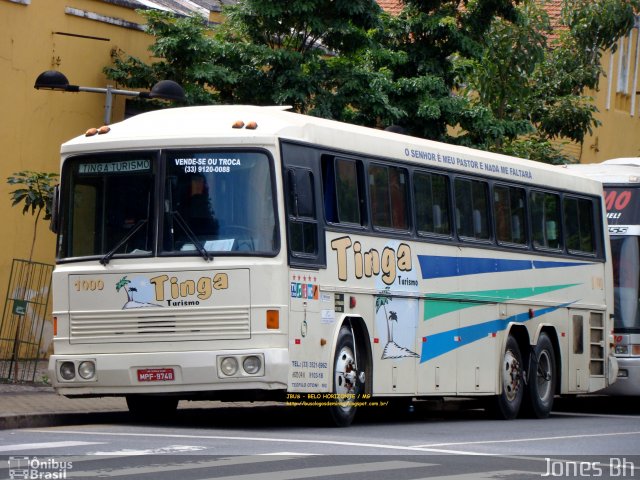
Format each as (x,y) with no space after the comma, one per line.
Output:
(131,302)
(391,349)
(123,284)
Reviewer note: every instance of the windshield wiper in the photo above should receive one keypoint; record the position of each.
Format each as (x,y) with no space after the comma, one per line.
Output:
(104,260)
(197,243)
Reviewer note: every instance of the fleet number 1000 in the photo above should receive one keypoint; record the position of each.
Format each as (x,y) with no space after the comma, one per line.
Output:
(88,285)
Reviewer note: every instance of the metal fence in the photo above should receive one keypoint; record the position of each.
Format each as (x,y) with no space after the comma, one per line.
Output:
(23,320)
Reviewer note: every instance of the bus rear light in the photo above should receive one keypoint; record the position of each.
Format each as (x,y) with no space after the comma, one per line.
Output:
(635,349)
(238,124)
(251,126)
(91,132)
(273,319)
(104,129)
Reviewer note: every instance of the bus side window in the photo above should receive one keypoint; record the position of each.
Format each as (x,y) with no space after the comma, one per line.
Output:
(578,219)
(431,192)
(302,217)
(545,220)
(343,191)
(472,209)
(509,214)
(389,190)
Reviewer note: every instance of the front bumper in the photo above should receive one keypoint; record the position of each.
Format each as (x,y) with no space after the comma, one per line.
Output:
(168,372)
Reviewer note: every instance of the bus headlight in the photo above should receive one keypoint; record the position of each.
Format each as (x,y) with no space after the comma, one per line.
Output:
(87,370)
(229,366)
(622,350)
(67,370)
(252,364)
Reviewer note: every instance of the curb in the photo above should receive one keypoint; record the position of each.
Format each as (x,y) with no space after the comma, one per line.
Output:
(41,420)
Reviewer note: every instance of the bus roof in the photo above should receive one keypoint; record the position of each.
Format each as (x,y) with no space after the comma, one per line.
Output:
(615,171)
(194,127)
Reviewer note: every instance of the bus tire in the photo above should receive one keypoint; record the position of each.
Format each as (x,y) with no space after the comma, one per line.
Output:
(345,382)
(507,403)
(541,386)
(150,407)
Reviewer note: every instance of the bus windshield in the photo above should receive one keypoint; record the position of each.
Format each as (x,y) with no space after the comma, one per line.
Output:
(627,281)
(216,202)
(219,201)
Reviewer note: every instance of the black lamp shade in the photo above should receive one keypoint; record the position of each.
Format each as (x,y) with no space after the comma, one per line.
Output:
(168,90)
(52,80)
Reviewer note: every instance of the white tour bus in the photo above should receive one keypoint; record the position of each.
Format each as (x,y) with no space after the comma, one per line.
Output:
(621,180)
(237,252)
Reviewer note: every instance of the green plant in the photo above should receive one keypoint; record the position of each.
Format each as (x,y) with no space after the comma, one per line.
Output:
(35,193)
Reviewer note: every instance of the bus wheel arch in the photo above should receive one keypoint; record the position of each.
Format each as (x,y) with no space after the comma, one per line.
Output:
(350,370)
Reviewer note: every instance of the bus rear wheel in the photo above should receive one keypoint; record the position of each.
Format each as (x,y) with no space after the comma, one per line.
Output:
(346,384)
(506,405)
(542,379)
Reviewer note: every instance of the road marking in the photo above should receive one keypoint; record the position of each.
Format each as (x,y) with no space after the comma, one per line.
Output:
(266,439)
(152,451)
(501,474)
(532,439)
(282,454)
(35,446)
(326,471)
(129,472)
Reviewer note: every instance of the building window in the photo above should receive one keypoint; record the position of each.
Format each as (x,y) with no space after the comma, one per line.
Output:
(624,62)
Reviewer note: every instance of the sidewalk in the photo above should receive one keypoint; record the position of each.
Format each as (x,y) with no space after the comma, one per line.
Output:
(38,405)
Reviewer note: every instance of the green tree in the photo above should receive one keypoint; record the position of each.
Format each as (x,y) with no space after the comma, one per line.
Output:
(185,52)
(421,46)
(534,80)
(265,53)
(36,194)
(480,73)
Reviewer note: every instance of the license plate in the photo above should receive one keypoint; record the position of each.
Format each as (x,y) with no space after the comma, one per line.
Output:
(156,375)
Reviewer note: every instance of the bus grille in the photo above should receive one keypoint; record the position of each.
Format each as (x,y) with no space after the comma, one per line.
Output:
(139,326)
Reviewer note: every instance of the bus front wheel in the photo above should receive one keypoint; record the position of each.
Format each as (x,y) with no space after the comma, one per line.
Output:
(507,403)
(346,384)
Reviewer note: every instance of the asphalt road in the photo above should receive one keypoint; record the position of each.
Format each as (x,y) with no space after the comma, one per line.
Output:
(583,438)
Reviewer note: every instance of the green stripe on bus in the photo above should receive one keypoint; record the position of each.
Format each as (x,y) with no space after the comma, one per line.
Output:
(441,303)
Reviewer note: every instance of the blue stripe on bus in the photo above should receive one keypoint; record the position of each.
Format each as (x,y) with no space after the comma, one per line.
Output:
(440,343)
(433,266)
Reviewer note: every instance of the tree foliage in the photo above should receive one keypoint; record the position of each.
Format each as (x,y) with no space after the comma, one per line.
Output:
(482,73)
(535,78)
(35,192)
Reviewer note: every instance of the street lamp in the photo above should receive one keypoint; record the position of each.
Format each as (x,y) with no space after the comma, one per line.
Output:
(54,80)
